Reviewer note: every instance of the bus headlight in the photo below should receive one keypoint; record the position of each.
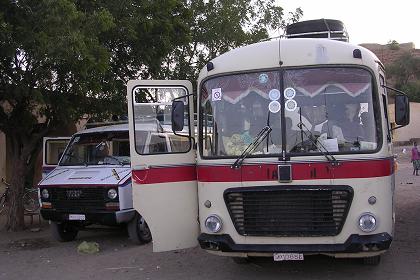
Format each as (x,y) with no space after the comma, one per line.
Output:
(367,222)
(112,194)
(213,223)
(45,194)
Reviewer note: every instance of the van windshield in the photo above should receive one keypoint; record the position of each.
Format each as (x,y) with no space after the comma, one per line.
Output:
(103,148)
(310,111)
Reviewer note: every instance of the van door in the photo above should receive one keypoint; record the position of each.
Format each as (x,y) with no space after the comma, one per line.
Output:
(52,151)
(164,178)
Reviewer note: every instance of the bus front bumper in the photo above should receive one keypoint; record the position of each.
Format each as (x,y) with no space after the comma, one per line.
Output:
(354,244)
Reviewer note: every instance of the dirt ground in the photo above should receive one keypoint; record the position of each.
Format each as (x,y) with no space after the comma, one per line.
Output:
(34,255)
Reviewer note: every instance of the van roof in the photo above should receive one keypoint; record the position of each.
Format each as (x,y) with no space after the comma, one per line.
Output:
(116,127)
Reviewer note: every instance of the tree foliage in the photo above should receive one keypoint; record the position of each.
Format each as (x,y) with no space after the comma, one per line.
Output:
(218,26)
(63,59)
(405,71)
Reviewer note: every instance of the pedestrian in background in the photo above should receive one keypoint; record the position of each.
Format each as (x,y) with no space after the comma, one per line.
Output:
(415,159)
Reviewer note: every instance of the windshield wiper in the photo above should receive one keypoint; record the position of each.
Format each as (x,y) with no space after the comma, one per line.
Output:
(315,142)
(251,147)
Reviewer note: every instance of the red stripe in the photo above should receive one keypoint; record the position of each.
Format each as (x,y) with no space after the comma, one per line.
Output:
(165,175)
(300,171)
(265,172)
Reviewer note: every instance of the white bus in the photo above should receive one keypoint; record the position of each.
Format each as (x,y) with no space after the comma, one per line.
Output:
(290,155)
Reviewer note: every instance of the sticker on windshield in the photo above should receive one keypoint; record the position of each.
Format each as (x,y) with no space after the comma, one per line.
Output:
(76,139)
(289,93)
(274,106)
(263,78)
(290,105)
(274,94)
(216,94)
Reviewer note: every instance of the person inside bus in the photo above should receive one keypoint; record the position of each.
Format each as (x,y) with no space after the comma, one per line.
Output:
(347,128)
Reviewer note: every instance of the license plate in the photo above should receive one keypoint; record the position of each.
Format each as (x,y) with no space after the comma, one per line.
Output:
(278,257)
(77,217)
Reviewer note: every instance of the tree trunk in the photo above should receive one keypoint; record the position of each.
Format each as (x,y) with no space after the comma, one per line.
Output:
(15,217)
(21,155)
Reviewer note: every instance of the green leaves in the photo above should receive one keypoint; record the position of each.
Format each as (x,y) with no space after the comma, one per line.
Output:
(217,26)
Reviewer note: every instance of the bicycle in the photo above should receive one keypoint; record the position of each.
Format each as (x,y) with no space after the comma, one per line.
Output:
(30,198)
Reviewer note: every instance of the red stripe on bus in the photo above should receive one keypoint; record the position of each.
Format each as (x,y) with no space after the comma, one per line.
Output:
(165,175)
(265,172)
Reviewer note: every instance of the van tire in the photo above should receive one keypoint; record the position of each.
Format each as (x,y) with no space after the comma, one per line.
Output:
(138,230)
(63,232)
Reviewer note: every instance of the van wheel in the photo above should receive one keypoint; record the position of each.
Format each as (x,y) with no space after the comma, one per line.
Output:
(63,232)
(138,230)
(375,260)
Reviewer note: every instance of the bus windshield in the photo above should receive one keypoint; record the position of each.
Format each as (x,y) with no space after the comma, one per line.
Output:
(104,148)
(310,111)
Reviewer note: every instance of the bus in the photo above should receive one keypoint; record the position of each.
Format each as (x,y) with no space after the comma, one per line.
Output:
(290,154)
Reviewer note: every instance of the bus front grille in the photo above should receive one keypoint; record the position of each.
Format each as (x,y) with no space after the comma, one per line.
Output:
(78,199)
(289,211)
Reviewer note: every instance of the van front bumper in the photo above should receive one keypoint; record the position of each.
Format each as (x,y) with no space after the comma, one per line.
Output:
(100,217)
(354,244)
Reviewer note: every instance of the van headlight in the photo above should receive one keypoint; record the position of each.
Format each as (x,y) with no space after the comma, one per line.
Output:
(367,222)
(213,223)
(45,194)
(112,194)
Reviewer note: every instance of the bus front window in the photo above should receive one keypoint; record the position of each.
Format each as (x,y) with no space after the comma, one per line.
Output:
(334,110)
(235,110)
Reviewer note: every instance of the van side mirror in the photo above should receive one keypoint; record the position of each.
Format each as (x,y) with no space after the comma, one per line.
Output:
(402,110)
(177,115)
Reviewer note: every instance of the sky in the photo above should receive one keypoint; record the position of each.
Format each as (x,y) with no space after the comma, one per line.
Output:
(366,21)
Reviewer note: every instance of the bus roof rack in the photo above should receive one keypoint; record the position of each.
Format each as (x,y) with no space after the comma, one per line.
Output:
(318,28)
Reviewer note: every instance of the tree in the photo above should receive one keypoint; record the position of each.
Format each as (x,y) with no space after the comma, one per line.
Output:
(218,26)
(405,72)
(63,59)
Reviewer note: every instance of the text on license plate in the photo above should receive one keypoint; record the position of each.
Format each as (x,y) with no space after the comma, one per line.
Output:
(278,257)
(77,217)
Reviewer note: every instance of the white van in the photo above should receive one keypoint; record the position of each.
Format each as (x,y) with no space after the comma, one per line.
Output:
(91,183)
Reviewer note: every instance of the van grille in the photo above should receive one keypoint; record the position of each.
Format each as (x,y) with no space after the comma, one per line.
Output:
(78,199)
(297,211)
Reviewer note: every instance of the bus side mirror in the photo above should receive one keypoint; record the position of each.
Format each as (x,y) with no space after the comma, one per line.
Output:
(177,115)
(402,110)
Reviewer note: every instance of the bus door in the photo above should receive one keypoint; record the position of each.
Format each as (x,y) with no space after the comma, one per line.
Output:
(164,178)
(52,151)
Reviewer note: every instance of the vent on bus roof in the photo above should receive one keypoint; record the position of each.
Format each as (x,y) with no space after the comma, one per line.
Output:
(318,28)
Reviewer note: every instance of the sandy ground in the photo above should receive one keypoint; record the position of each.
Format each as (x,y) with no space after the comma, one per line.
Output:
(34,255)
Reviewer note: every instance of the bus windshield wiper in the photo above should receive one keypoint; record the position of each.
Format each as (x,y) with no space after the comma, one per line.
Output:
(251,147)
(315,142)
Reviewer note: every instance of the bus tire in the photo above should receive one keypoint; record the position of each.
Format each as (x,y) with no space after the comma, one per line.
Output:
(375,260)
(63,232)
(138,230)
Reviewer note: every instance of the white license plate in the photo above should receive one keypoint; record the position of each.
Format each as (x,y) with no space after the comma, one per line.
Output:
(77,217)
(278,257)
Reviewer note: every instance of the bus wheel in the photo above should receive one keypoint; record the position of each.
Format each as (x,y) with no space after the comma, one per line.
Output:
(375,260)
(138,230)
(63,232)
(240,260)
